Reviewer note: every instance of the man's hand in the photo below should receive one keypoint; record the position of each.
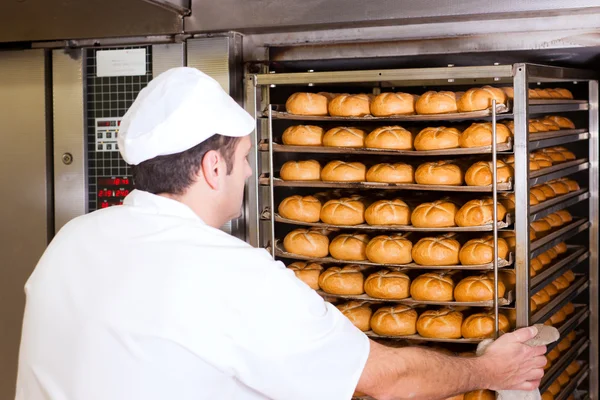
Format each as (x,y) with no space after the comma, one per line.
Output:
(512,364)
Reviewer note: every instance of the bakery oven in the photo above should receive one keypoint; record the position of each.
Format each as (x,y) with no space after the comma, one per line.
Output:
(437,206)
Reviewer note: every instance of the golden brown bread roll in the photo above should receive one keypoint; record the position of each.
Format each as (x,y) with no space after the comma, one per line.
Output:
(481,251)
(436,251)
(344,137)
(509,202)
(306,242)
(533,165)
(436,103)
(510,238)
(477,288)
(439,173)
(550,125)
(393,249)
(541,298)
(307,273)
(565,215)
(558,318)
(359,313)
(547,190)
(547,396)
(562,122)
(536,264)
(541,226)
(444,323)
(570,276)
(480,134)
(350,105)
(509,91)
(340,171)
(565,93)
(564,345)
(559,187)
(480,395)
(531,127)
(572,336)
(554,388)
(569,308)
(571,184)
(349,247)
(541,159)
(538,125)
(348,280)
(556,156)
(554,220)
(480,173)
(307,104)
(303,135)
(388,104)
(391,173)
(344,211)
(573,368)
(481,325)
(538,193)
(478,212)
(437,139)
(545,259)
(387,284)
(561,283)
(553,254)
(400,320)
(309,170)
(476,99)
(432,286)
(300,208)
(569,155)
(551,290)
(388,212)
(437,214)
(390,137)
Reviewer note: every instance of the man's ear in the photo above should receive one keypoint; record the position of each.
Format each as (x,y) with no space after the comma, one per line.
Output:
(210,168)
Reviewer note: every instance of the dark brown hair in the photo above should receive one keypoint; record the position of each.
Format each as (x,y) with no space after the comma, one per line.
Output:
(174,173)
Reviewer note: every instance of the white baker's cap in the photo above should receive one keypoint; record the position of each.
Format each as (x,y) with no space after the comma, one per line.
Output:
(178,110)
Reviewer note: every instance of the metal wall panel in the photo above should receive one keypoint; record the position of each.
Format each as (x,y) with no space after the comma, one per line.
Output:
(167,56)
(24,227)
(69,136)
(262,15)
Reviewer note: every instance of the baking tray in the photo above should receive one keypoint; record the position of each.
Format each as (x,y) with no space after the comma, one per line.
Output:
(557,201)
(282,148)
(372,334)
(534,137)
(264,181)
(561,234)
(278,112)
(574,256)
(557,167)
(503,301)
(280,252)
(574,382)
(572,323)
(563,362)
(544,313)
(535,102)
(399,228)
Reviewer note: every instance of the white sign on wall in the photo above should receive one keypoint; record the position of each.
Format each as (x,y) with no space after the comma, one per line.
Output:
(128,62)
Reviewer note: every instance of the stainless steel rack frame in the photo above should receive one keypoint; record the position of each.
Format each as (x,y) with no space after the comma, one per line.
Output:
(260,198)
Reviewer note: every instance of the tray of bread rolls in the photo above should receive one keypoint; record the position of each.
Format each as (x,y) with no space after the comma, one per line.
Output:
(560,361)
(570,380)
(558,199)
(546,233)
(535,136)
(557,167)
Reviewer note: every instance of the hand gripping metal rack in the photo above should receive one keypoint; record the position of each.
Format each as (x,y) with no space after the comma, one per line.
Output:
(266,90)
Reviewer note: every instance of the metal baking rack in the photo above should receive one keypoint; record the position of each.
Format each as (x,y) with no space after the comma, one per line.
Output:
(260,88)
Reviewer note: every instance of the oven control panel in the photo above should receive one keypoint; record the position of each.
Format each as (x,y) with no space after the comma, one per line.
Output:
(112,191)
(107,130)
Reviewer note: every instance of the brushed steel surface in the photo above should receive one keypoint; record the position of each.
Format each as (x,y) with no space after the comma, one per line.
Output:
(70,184)
(24,225)
(167,56)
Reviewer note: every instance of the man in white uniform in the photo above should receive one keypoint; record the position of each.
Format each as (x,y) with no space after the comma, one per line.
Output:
(180,310)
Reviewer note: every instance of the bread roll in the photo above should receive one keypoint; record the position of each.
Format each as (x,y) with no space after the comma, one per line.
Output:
(307,273)
(479,212)
(388,212)
(565,215)
(564,345)
(480,134)
(477,288)
(541,226)
(340,171)
(571,184)
(561,283)
(444,323)
(400,320)
(509,202)
(480,173)
(309,170)
(570,276)
(538,193)
(545,259)
(550,125)
(390,137)
(307,243)
(536,264)
(349,247)
(437,139)
(344,211)
(533,165)
(436,251)
(437,214)
(300,208)
(348,280)
(394,249)
(481,325)
(344,137)
(573,368)
(547,396)
(509,91)
(303,135)
(565,93)
(388,104)
(391,173)
(542,159)
(551,290)
(541,298)
(554,220)
(480,395)
(387,284)
(559,187)
(553,254)
(510,238)
(436,103)
(432,286)
(558,318)
(359,313)
(547,190)
(572,336)
(481,251)
(350,105)
(556,156)
(569,155)
(562,122)
(439,173)
(569,308)
(307,104)
(476,99)
(531,127)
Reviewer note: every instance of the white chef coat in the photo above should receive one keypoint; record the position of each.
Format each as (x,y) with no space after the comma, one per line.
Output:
(145,301)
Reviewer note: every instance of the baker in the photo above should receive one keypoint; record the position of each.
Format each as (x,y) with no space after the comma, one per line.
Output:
(189,312)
